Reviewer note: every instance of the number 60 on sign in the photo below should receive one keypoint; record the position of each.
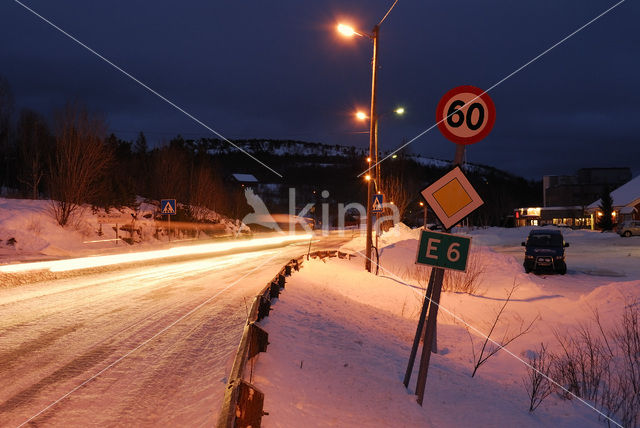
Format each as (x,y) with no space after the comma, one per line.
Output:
(443,250)
(465,115)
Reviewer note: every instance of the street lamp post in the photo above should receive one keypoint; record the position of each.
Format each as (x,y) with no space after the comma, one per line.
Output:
(373,145)
(374,175)
(373,126)
(360,115)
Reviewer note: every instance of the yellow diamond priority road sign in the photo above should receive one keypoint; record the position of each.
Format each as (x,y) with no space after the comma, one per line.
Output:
(452,197)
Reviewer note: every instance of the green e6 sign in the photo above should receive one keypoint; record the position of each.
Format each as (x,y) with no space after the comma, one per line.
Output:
(443,250)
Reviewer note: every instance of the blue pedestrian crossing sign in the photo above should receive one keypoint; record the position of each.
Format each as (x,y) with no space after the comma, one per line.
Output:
(168,206)
(376,203)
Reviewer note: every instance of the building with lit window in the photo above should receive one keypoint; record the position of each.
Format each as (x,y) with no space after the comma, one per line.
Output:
(626,203)
(567,199)
(572,216)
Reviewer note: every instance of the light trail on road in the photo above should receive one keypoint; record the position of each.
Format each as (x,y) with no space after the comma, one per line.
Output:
(117,259)
(177,322)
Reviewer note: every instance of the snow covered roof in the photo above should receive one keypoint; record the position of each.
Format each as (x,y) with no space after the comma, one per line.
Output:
(626,195)
(245,178)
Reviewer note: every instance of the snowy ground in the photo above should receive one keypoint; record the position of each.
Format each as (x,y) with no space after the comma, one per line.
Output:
(340,338)
(28,230)
(139,344)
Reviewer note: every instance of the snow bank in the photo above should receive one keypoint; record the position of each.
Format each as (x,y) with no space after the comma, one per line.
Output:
(28,229)
(340,337)
(339,343)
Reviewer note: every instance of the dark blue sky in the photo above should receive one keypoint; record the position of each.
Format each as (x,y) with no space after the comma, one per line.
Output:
(255,69)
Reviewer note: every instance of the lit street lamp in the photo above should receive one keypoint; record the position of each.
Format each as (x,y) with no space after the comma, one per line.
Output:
(349,31)
(424,206)
(399,111)
(361,116)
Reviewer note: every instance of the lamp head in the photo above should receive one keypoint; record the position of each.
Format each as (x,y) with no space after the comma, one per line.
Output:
(346,30)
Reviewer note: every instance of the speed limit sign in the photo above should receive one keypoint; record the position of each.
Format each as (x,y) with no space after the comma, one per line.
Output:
(465,115)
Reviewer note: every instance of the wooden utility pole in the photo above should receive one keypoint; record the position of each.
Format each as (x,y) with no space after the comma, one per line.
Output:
(416,339)
(373,144)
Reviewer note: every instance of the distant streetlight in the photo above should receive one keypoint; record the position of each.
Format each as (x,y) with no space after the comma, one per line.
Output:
(360,115)
(422,204)
(399,111)
(349,31)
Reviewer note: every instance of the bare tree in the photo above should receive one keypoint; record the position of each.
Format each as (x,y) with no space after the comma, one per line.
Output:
(34,143)
(170,174)
(79,161)
(7,153)
(395,191)
(491,347)
(203,192)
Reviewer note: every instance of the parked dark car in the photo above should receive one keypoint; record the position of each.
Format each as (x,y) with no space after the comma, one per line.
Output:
(544,251)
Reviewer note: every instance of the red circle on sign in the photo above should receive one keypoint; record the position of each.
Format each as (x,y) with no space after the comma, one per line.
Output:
(472,122)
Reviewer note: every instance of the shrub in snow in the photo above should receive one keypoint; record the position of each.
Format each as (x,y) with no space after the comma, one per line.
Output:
(466,282)
(581,364)
(454,281)
(34,226)
(603,367)
(537,381)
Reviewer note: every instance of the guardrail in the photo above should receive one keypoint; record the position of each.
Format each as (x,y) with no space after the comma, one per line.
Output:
(243,402)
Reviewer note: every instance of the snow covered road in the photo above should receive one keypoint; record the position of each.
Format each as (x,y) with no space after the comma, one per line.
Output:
(135,347)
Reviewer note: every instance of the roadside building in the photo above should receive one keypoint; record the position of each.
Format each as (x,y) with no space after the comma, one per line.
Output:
(572,216)
(566,198)
(626,203)
(244,179)
(583,188)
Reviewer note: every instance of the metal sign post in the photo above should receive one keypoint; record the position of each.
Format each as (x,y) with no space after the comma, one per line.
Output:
(168,207)
(376,208)
(429,334)
(416,339)
(465,115)
(452,258)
